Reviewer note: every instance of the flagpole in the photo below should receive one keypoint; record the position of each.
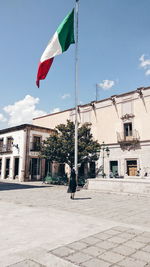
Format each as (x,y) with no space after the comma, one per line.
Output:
(76,88)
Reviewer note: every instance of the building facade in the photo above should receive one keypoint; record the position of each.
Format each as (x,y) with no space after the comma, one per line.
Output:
(19,152)
(121,124)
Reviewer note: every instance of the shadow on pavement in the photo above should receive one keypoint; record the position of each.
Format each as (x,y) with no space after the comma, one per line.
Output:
(14,186)
(82,198)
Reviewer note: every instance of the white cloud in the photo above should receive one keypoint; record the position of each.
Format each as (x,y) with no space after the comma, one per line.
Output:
(106,84)
(145,63)
(23,111)
(65,96)
(2,118)
(55,110)
(147,72)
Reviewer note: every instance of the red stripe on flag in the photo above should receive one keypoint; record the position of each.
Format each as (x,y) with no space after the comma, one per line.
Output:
(43,70)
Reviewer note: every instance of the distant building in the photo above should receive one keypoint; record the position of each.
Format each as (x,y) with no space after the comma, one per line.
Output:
(19,152)
(122,122)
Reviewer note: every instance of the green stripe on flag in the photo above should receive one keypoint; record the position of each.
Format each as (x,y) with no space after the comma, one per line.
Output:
(66,31)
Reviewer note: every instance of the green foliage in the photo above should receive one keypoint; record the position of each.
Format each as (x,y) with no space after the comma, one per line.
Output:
(60,146)
(56,180)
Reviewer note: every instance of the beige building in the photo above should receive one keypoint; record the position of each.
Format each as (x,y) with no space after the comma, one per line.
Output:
(122,122)
(19,152)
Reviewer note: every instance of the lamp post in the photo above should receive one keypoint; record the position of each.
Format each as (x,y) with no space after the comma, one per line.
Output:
(104,149)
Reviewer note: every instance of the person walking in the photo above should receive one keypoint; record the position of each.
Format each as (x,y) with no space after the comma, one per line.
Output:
(72,184)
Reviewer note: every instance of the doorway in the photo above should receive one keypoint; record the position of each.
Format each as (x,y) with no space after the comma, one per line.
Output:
(16,168)
(7,168)
(92,171)
(131,167)
(0,167)
(114,167)
(35,168)
(127,129)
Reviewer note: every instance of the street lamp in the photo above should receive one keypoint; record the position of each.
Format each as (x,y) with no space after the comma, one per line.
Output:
(107,151)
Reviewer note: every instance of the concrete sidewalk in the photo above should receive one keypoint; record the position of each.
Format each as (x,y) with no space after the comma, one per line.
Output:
(42,226)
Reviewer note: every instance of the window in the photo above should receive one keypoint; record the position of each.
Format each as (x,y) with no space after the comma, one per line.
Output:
(127,129)
(9,143)
(1,144)
(36,143)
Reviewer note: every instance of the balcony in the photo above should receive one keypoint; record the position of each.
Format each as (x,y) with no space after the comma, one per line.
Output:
(5,149)
(133,138)
(35,146)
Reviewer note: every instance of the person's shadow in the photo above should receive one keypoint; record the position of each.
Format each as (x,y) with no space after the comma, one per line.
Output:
(82,198)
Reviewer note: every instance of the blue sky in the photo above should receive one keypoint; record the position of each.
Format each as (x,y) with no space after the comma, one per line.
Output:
(114,52)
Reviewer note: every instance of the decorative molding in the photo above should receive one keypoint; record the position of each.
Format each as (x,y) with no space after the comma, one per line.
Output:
(130,146)
(127,116)
(92,104)
(140,91)
(113,99)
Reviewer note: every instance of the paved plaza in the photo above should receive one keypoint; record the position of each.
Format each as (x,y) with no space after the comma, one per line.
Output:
(41,226)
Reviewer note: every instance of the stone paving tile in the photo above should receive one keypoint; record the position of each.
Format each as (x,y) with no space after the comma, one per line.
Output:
(90,240)
(146,234)
(124,250)
(142,239)
(117,239)
(134,244)
(96,263)
(146,248)
(62,251)
(106,245)
(134,231)
(111,257)
(102,236)
(27,263)
(93,251)
(78,257)
(142,255)
(126,235)
(78,245)
(130,262)
(120,228)
(112,232)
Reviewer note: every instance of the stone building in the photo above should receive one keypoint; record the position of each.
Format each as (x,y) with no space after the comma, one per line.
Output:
(122,124)
(19,152)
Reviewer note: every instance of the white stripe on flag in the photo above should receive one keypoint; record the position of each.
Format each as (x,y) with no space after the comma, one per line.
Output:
(53,49)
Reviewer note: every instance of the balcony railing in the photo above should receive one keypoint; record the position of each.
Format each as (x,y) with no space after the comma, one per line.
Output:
(5,149)
(35,146)
(132,138)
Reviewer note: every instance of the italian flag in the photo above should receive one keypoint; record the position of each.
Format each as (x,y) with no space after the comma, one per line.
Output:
(61,40)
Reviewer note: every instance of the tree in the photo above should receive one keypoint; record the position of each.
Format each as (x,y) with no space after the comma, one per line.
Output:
(59,147)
